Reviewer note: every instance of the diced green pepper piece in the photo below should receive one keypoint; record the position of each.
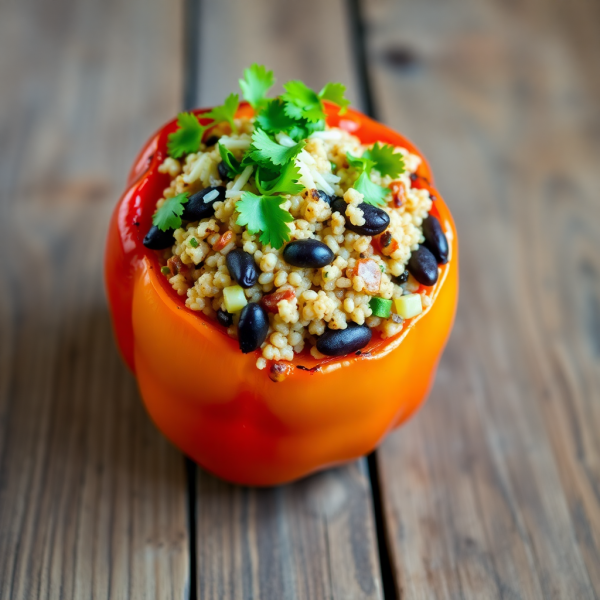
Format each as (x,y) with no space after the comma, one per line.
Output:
(193,242)
(409,306)
(381,307)
(234,298)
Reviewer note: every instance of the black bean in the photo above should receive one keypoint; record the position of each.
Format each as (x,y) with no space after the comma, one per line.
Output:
(211,141)
(376,220)
(196,208)
(253,327)
(158,240)
(338,342)
(401,278)
(325,196)
(435,239)
(224,318)
(423,266)
(242,267)
(339,205)
(223,171)
(310,254)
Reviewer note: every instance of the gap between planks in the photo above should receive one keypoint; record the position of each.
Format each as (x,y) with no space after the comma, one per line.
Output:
(190,14)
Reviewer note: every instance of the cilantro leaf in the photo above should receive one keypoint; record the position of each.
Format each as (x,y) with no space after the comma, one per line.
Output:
(302,129)
(373,193)
(168,216)
(231,162)
(187,138)
(312,113)
(302,103)
(360,163)
(264,215)
(298,132)
(299,94)
(266,152)
(225,112)
(385,160)
(256,83)
(334,92)
(284,183)
(273,117)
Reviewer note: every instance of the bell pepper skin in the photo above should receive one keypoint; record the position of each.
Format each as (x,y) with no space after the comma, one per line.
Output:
(213,403)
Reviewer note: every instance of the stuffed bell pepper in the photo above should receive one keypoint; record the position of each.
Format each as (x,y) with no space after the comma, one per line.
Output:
(282,278)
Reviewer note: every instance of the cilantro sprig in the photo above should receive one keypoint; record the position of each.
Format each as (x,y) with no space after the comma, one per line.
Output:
(385,160)
(168,216)
(264,215)
(268,153)
(373,194)
(225,112)
(298,112)
(187,138)
(273,118)
(233,165)
(189,133)
(334,92)
(256,83)
(381,158)
(275,173)
(302,103)
(284,182)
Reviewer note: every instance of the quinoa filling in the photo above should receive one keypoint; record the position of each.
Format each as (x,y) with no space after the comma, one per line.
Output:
(337,263)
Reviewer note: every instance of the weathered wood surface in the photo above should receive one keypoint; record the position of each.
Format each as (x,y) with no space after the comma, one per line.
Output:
(493,490)
(314,539)
(297,40)
(92,498)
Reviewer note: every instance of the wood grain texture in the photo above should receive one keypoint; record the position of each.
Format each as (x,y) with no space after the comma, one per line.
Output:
(493,490)
(297,40)
(92,499)
(311,539)
(316,538)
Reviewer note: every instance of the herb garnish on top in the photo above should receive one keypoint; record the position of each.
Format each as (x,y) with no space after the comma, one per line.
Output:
(296,114)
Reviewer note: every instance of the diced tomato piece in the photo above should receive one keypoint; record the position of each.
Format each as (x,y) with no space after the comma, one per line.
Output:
(270,302)
(387,244)
(376,245)
(178,268)
(398,193)
(418,181)
(223,241)
(370,272)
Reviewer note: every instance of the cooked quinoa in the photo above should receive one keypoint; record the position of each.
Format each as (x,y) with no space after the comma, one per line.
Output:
(331,296)
(363,279)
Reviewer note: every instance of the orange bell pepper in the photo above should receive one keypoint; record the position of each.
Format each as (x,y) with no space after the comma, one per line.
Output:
(213,403)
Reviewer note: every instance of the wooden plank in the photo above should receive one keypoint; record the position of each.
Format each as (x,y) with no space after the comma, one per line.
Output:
(297,40)
(316,538)
(493,490)
(92,498)
(310,539)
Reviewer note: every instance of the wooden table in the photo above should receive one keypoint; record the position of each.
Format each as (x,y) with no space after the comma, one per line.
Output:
(492,491)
